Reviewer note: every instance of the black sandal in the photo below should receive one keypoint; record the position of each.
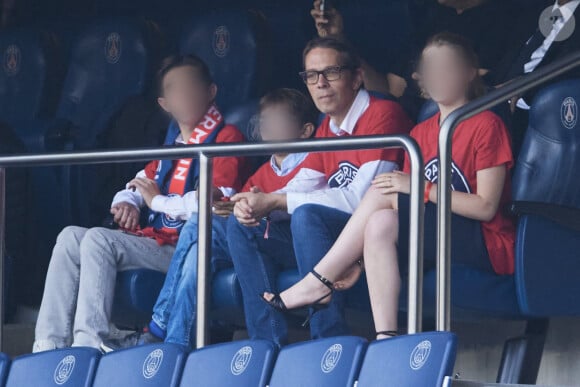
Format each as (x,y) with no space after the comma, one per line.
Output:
(388,333)
(277,303)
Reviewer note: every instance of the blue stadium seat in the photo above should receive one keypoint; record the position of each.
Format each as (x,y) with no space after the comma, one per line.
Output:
(73,367)
(235,46)
(111,60)
(30,79)
(408,361)
(329,362)
(4,367)
(149,365)
(239,363)
(546,194)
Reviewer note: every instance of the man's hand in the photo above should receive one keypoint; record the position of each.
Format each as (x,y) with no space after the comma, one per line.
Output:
(148,188)
(223,208)
(126,215)
(329,22)
(392,182)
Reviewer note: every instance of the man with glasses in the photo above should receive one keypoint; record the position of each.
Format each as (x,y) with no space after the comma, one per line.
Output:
(331,186)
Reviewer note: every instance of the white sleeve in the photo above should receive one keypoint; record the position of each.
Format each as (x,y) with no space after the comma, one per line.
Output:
(129,196)
(182,207)
(344,199)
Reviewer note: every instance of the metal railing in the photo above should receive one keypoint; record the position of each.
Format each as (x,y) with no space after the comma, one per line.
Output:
(499,95)
(449,382)
(206,153)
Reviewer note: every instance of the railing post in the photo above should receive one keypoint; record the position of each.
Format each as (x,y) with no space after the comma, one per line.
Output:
(416,238)
(2,251)
(204,248)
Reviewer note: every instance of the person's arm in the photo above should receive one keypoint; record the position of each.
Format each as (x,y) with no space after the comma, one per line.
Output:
(129,195)
(346,198)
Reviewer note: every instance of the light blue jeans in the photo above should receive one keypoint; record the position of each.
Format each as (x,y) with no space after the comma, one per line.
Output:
(175,309)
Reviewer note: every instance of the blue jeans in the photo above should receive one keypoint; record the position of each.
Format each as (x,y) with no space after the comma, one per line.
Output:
(315,229)
(175,309)
(257,262)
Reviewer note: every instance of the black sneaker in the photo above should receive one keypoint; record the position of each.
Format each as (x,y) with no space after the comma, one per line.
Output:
(131,340)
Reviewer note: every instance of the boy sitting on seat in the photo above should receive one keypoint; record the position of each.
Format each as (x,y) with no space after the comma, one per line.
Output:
(80,283)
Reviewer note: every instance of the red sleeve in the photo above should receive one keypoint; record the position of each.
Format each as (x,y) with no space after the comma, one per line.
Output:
(151,169)
(229,171)
(256,180)
(385,118)
(415,134)
(492,143)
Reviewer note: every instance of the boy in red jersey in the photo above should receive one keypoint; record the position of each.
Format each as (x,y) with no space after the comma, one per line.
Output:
(285,114)
(330,184)
(80,283)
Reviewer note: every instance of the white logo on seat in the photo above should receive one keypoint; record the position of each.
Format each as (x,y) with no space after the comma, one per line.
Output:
(330,358)
(12,60)
(152,363)
(241,360)
(569,113)
(64,369)
(420,355)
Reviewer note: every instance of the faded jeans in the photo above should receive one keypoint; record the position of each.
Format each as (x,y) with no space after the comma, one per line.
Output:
(80,283)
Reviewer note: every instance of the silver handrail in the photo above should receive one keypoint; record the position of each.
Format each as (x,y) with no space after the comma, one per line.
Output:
(206,153)
(499,95)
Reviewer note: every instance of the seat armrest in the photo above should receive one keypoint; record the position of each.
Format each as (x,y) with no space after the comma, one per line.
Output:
(563,215)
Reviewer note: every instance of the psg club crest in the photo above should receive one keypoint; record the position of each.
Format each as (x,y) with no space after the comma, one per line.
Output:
(343,176)
(64,370)
(12,58)
(330,358)
(569,113)
(241,360)
(113,48)
(152,363)
(221,41)
(420,355)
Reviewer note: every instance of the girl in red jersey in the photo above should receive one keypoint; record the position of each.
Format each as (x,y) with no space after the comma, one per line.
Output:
(482,234)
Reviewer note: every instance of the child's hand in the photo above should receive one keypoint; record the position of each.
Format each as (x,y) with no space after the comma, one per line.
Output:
(224,207)
(148,188)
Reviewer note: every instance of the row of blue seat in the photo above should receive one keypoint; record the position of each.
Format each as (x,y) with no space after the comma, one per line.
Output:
(407,361)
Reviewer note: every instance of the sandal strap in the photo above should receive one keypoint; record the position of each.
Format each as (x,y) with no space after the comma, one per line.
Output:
(388,333)
(322,279)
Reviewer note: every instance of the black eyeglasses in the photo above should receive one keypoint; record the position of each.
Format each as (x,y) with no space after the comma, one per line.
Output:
(332,73)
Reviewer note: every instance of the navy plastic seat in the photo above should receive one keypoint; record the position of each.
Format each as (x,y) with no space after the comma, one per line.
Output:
(423,359)
(73,367)
(147,365)
(239,363)
(235,46)
(329,362)
(546,192)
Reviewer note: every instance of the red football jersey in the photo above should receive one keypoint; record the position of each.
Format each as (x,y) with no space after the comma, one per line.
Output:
(380,118)
(228,172)
(268,181)
(479,142)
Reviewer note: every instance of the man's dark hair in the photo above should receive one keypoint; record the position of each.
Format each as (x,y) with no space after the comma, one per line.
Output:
(348,54)
(300,105)
(175,61)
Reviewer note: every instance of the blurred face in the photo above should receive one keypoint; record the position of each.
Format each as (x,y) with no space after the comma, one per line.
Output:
(276,123)
(332,97)
(185,95)
(444,74)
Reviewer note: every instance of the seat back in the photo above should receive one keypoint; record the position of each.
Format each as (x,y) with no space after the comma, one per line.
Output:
(239,363)
(111,60)
(73,367)
(329,362)
(29,76)
(235,46)
(548,163)
(147,365)
(408,361)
